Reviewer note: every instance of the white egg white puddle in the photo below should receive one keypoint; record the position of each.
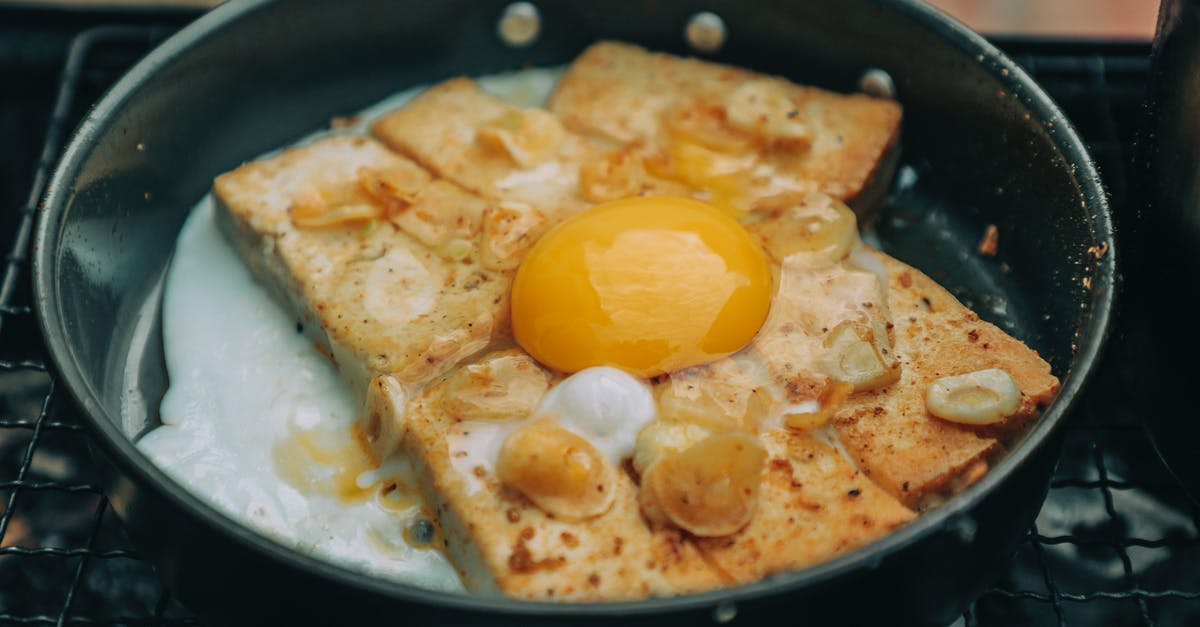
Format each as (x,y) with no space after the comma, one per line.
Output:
(251,404)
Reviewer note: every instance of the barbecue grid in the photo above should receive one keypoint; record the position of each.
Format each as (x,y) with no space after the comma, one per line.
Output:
(1115,543)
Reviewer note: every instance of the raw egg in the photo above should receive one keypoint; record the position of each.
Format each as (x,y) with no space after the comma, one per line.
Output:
(647,285)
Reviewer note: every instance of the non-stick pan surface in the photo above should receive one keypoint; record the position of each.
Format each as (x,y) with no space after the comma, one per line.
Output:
(982,145)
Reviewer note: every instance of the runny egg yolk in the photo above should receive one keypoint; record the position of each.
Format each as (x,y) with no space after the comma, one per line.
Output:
(647,285)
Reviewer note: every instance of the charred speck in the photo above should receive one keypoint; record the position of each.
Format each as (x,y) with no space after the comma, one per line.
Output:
(299,328)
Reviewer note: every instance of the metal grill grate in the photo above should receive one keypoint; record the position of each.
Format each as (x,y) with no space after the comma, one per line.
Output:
(1115,543)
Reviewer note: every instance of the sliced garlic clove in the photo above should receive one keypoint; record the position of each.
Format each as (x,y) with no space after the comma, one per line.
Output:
(813,227)
(612,176)
(662,438)
(832,398)
(705,124)
(764,108)
(852,358)
(715,405)
(332,205)
(504,387)
(509,229)
(395,189)
(710,489)
(335,216)
(562,473)
(528,136)
(976,398)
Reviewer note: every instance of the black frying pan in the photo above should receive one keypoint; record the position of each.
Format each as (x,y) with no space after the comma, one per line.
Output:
(982,145)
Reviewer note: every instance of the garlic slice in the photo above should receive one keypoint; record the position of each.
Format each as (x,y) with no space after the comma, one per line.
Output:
(814,227)
(316,208)
(852,357)
(504,387)
(616,175)
(509,229)
(562,473)
(764,108)
(976,398)
(395,189)
(705,124)
(710,489)
(831,399)
(716,404)
(528,136)
(663,438)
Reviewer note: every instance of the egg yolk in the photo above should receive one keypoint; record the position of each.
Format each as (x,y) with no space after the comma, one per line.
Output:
(647,285)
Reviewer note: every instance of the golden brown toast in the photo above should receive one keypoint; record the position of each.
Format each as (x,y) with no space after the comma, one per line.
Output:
(889,432)
(626,94)
(375,298)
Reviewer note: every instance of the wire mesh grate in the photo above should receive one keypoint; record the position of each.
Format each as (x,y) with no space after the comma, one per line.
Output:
(1114,544)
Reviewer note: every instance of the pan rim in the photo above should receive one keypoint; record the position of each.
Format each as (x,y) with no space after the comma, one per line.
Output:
(123,452)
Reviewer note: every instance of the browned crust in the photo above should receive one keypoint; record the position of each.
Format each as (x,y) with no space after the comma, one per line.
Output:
(889,433)
(813,505)
(620,92)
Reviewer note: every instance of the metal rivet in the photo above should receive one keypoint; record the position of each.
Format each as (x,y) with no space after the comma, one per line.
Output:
(878,83)
(706,32)
(519,25)
(724,612)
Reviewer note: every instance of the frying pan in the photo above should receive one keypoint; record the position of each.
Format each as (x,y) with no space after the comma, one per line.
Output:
(982,145)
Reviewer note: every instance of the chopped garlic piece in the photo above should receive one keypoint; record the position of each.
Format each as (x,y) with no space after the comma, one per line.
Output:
(610,177)
(562,473)
(976,398)
(528,136)
(509,229)
(765,109)
(705,124)
(335,216)
(394,189)
(710,489)
(853,357)
(663,438)
(812,227)
(505,387)
(315,208)
(715,403)
(832,398)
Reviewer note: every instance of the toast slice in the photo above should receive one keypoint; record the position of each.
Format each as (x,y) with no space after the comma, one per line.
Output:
(507,153)
(778,137)
(894,439)
(374,296)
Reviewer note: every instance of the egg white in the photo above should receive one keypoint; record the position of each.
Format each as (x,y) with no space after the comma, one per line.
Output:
(243,381)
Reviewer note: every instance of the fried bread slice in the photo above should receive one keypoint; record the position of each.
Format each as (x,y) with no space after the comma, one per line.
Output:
(500,541)
(888,431)
(757,136)
(891,435)
(813,505)
(508,153)
(373,295)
